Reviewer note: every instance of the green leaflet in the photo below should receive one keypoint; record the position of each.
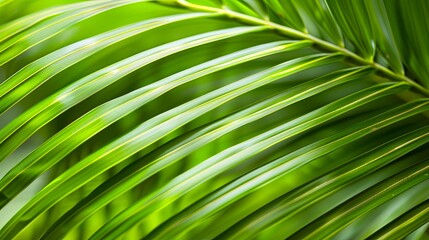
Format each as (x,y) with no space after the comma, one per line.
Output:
(262,176)
(405,224)
(287,13)
(383,34)
(331,104)
(36,73)
(340,217)
(353,19)
(410,26)
(156,127)
(59,146)
(233,156)
(239,6)
(292,203)
(132,175)
(28,79)
(23,41)
(318,20)
(10,29)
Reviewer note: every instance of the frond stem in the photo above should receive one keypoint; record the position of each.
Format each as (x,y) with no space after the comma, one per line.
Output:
(290,32)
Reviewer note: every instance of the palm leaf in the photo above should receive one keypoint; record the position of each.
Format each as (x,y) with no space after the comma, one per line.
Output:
(206,119)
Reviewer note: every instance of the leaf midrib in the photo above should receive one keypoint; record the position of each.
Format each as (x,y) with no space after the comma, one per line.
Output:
(293,33)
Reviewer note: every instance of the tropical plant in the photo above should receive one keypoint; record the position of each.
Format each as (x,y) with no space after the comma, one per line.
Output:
(202,119)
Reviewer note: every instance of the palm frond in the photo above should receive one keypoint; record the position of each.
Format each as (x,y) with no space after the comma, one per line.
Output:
(206,119)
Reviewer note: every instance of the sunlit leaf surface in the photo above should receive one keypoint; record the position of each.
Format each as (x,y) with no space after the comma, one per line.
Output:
(214,119)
